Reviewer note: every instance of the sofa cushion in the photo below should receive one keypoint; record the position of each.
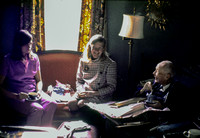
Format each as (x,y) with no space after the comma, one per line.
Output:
(59,65)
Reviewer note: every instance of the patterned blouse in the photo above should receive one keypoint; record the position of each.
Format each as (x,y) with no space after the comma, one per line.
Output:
(97,75)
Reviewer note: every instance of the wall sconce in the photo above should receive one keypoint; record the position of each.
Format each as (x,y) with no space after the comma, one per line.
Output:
(132,28)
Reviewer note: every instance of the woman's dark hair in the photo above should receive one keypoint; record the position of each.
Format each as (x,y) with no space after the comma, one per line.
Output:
(23,37)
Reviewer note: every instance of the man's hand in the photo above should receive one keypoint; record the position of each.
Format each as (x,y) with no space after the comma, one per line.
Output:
(147,87)
(156,104)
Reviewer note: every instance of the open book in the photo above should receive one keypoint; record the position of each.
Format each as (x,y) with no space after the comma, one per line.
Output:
(121,112)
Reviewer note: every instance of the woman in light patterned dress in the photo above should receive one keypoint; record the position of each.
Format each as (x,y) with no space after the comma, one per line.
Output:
(96,75)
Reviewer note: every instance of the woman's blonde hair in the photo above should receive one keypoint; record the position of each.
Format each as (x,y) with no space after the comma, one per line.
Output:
(87,56)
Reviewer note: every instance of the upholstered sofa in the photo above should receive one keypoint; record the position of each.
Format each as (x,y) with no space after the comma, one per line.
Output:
(59,65)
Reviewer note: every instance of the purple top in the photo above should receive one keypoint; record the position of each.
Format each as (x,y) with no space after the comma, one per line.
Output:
(19,76)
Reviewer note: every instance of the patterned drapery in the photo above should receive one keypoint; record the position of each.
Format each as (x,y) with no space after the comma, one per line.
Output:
(98,17)
(85,23)
(32,19)
(92,21)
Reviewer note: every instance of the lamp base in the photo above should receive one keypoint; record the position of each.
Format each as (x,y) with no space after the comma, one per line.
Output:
(130,43)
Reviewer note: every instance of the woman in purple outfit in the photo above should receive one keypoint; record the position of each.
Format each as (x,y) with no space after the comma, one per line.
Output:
(19,75)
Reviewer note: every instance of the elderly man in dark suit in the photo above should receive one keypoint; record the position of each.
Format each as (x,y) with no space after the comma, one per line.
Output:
(166,91)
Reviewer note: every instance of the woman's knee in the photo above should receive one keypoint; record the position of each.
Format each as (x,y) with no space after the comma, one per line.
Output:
(53,105)
(81,103)
(73,105)
(36,108)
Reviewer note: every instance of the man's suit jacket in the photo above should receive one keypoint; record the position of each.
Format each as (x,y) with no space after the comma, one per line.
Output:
(181,102)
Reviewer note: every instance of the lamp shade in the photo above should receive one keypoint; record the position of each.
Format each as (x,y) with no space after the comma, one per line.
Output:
(132,26)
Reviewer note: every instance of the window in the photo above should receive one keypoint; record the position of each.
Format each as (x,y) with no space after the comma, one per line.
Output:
(62,23)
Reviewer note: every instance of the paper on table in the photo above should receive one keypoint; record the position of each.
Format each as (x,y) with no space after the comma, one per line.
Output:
(117,112)
(67,127)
